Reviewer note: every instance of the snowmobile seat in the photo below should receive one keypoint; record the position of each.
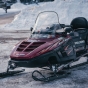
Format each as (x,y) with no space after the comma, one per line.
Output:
(79,22)
(80,25)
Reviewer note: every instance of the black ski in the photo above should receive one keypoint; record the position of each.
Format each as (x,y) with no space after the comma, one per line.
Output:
(10,73)
(58,75)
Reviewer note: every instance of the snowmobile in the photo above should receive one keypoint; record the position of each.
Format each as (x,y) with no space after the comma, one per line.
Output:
(51,46)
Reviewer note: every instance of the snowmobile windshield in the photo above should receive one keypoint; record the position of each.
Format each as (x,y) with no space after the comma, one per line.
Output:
(44,26)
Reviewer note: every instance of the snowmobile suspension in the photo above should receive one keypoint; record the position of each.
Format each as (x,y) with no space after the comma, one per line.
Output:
(60,71)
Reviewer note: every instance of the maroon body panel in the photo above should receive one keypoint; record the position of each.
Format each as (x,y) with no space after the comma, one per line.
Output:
(31,48)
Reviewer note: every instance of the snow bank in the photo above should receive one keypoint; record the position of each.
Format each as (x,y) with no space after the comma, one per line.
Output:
(66,9)
(18,6)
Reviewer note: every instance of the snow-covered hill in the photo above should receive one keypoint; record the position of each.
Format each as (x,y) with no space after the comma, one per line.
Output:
(66,9)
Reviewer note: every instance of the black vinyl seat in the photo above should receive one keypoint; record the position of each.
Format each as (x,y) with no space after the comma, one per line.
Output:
(80,25)
(79,22)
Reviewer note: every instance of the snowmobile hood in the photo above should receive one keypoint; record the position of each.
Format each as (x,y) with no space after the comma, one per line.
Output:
(31,48)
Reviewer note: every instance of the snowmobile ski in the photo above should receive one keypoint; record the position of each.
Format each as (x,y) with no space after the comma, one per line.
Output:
(58,75)
(10,73)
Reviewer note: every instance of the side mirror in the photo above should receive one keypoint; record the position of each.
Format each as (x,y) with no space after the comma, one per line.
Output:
(31,28)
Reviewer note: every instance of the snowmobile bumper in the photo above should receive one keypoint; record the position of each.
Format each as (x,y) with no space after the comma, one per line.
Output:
(38,61)
(34,62)
(28,63)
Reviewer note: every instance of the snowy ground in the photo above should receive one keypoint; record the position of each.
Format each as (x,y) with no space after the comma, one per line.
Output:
(18,29)
(77,79)
(7,18)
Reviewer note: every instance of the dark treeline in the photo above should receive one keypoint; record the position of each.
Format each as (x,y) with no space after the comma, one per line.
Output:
(31,1)
(26,1)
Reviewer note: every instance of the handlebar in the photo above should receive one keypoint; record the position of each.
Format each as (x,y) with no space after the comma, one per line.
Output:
(63,25)
(68,26)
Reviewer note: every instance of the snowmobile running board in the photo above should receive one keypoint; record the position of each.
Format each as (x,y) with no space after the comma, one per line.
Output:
(10,73)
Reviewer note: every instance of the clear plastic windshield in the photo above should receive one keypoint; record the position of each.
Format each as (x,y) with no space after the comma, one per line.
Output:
(44,26)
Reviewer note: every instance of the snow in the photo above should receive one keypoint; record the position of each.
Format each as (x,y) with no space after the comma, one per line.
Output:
(18,6)
(66,9)
(15,7)
(80,61)
(9,11)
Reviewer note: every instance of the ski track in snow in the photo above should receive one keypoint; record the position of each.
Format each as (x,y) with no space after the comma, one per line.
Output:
(67,10)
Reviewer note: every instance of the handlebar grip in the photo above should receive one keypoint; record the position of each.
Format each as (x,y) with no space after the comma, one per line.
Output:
(68,25)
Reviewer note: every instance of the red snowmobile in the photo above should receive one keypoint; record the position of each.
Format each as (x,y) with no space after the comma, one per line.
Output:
(51,44)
